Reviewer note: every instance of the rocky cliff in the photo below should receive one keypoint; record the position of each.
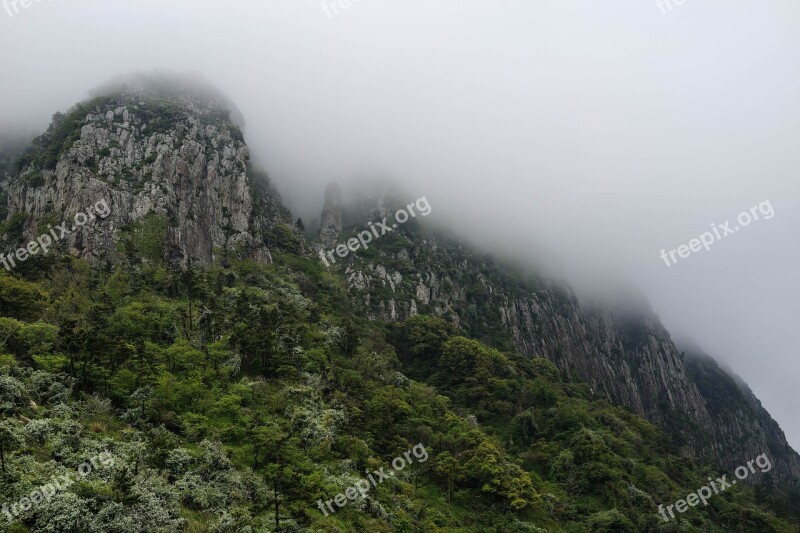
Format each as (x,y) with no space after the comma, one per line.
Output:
(624,353)
(150,151)
(741,424)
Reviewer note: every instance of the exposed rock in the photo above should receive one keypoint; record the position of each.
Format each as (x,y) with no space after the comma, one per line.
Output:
(623,353)
(182,159)
(331,221)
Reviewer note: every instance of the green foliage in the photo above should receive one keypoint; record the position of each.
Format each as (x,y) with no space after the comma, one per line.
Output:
(285,238)
(14,226)
(161,115)
(420,341)
(35,179)
(581,452)
(234,397)
(20,299)
(609,521)
(146,239)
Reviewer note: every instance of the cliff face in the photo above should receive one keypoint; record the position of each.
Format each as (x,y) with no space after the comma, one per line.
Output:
(741,424)
(625,354)
(177,156)
(331,220)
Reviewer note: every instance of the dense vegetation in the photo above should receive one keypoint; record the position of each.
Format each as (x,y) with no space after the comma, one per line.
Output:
(234,397)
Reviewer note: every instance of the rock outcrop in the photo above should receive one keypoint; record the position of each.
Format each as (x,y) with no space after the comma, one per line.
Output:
(331,219)
(625,354)
(742,426)
(175,155)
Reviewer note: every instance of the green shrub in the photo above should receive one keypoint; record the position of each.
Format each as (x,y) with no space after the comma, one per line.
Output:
(35,179)
(145,238)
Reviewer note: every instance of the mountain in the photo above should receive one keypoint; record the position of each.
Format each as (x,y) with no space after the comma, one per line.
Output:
(622,351)
(219,373)
(166,158)
(741,422)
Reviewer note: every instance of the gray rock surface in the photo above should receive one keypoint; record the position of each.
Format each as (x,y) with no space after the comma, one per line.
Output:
(624,353)
(182,159)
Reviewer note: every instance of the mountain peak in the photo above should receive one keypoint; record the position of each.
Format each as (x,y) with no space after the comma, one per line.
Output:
(172,165)
(189,89)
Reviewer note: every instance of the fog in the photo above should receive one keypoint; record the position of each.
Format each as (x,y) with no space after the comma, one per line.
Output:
(586,136)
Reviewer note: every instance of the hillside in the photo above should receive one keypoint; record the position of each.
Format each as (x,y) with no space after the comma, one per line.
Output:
(228,380)
(623,351)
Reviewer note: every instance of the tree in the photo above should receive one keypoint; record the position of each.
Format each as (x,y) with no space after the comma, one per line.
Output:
(420,341)
(255,333)
(281,454)
(189,280)
(8,439)
(20,299)
(12,396)
(506,481)
(447,467)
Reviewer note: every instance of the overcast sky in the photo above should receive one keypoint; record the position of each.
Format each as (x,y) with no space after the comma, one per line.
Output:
(588,135)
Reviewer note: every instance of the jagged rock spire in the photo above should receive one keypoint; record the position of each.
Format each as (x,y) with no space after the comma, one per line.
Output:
(331,221)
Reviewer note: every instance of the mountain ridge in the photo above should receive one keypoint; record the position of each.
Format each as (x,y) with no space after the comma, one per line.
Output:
(237,380)
(625,353)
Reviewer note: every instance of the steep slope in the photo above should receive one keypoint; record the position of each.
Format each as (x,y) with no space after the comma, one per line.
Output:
(741,422)
(624,353)
(243,397)
(150,150)
(237,384)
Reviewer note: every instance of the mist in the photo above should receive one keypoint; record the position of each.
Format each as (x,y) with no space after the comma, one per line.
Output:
(586,137)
